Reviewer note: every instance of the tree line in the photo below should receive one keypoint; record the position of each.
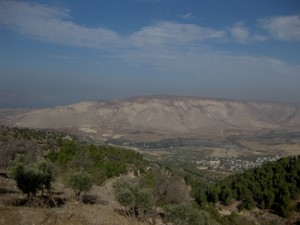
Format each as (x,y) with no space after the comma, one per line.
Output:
(273,186)
(101,162)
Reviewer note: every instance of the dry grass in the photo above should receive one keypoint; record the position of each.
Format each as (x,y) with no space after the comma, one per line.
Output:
(73,212)
(224,153)
(278,148)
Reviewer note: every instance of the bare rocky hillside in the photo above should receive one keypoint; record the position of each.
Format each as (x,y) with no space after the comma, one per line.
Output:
(160,117)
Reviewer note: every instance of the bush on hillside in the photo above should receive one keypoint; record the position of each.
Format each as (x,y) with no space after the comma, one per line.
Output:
(137,200)
(169,190)
(33,177)
(185,214)
(80,181)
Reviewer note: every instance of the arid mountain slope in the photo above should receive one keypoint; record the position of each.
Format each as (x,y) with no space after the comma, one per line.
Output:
(163,116)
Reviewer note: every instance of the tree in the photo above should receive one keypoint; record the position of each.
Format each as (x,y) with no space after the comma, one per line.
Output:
(144,202)
(80,181)
(17,165)
(135,199)
(273,186)
(226,195)
(169,189)
(201,199)
(126,198)
(213,194)
(31,178)
(47,172)
(185,214)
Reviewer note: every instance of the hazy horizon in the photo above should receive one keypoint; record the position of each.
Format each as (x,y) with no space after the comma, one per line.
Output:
(63,52)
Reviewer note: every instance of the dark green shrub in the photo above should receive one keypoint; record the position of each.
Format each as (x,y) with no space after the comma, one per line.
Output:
(33,177)
(185,214)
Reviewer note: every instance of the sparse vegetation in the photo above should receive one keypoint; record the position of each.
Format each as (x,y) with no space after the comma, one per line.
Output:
(154,192)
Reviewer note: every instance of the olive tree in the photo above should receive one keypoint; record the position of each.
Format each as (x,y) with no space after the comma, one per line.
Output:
(31,178)
(170,190)
(80,181)
(133,198)
(185,214)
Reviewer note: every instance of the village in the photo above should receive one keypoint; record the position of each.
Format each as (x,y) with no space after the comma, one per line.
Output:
(234,164)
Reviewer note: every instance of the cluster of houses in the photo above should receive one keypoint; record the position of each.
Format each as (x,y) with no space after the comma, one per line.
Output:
(234,164)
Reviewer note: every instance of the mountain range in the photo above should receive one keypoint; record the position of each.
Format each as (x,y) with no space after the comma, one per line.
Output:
(158,117)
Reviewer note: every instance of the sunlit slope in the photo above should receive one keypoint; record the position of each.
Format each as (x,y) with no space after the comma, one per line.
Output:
(182,115)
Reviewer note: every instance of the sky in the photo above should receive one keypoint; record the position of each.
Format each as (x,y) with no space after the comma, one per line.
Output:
(63,52)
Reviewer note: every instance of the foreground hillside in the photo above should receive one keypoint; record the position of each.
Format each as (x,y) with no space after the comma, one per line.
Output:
(67,181)
(53,158)
(159,117)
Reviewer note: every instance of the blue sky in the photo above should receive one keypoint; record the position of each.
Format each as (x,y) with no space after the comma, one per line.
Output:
(62,52)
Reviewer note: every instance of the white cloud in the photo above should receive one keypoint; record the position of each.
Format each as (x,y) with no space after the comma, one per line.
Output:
(241,33)
(164,45)
(166,33)
(204,61)
(51,24)
(187,16)
(283,27)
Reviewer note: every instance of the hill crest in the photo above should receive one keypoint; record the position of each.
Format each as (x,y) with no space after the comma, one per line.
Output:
(161,116)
